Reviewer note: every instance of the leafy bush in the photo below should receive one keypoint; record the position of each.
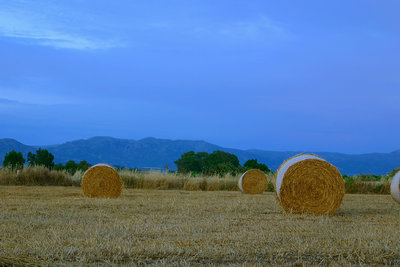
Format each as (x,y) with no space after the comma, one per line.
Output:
(72,167)
(253,164)
(14,160)
(42,157)
(217,163)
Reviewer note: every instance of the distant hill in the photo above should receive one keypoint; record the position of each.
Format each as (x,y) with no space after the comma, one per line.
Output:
(156,153)
(7,144)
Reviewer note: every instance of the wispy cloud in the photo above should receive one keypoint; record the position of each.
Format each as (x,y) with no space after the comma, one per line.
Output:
(24,96)
(255,28)
(72,25)
(259,28)
(26,23)
(7,101)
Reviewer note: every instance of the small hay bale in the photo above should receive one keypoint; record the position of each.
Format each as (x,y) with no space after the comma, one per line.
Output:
(309,184)
(395,187)
(101,181)
(253,181)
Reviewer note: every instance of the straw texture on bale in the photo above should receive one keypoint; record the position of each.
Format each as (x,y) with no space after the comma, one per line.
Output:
(308,184)
(395,187)
(253,181)
(101,181)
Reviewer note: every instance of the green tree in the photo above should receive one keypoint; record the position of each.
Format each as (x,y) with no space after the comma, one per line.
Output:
(59,167)
(223,168)
(31,159)
(42,157)
(84,165)
(253,164)
(14,160)
(71,166)
(218,162)
(191,162)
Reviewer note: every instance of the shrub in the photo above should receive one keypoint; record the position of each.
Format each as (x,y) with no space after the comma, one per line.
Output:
(42,157)
(218,162)
(14,160)
(253,164)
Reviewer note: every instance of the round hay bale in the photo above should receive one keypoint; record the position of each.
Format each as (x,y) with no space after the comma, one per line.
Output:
(395,187)
(309,184)
(253,181)
(101,181)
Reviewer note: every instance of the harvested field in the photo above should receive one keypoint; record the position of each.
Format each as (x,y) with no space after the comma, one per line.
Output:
(58,225)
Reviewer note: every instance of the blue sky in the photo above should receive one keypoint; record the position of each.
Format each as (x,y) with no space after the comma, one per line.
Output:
(273,75)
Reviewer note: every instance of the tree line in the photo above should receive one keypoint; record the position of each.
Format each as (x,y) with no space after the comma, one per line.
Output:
(215,163)
(42,157)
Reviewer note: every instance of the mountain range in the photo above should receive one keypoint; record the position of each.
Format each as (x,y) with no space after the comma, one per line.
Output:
(157,153)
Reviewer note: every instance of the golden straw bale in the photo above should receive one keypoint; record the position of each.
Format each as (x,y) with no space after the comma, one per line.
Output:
(308,184)
(395,187)
(101,181)
(253,181)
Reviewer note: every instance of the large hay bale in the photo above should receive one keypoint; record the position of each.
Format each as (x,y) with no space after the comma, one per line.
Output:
(395,187)
(253,181)
(101,181)
(308,184)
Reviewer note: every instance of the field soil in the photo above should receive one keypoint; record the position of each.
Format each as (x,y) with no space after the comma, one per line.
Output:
(58,225)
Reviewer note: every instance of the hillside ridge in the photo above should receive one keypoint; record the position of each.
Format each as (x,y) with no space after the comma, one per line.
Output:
(157,153)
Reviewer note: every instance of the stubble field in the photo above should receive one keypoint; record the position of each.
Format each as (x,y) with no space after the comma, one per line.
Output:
(58,225)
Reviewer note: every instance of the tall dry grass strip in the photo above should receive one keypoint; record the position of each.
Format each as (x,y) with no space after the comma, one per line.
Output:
(101,181)
(395,187)
(308,184)
(253,181)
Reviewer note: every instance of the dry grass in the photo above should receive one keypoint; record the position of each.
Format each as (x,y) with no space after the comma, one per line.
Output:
(37,175)
(166,181)
(58,225)
(368,187)
(131,179)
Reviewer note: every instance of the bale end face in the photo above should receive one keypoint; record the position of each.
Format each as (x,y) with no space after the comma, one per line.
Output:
(101,181)
(395,187)
(253,181)
(310,185)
